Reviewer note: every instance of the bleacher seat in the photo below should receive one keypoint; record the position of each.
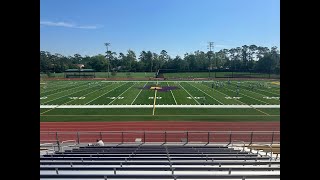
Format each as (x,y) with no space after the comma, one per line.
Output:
(157,162)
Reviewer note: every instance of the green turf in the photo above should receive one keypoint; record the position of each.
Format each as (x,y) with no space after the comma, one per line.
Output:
(137,93)
(219,75)
(118,75)
(161,114)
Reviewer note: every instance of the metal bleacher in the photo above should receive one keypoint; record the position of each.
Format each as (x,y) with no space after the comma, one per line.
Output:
(158,162)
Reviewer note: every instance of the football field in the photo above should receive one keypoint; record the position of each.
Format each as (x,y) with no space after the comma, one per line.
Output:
(159,100)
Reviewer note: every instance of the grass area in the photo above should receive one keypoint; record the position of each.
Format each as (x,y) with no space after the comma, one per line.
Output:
(178,75)
(156,118)
(220,75)
(118,75)
(174,93)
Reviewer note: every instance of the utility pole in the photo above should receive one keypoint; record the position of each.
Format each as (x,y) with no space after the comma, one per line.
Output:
(210,65)
(108,62)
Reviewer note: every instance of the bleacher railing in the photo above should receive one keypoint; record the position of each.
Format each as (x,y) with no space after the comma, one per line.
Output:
(248,137)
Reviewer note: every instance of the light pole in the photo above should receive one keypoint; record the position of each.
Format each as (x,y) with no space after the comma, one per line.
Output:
(210,65)
(107,56)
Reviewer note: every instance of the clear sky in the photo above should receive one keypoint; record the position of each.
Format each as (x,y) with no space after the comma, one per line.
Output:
(178,26)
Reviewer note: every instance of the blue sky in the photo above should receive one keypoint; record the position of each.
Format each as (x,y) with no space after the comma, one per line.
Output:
(178,26)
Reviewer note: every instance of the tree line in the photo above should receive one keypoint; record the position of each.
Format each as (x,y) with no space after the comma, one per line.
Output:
(243,59)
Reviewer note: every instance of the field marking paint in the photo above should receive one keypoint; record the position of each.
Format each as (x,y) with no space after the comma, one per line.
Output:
(154,101)
(240,101)
(268,97)
(229,97)
(159,106)
(161,115)
(122,93)
(172,95)
(188,93)
(71,100)
(69,94)
(206,94)
(81,97)
(256,92)
(138,93)
(55,87)
(250,97)
(104,94)
(158,97)
(72,87)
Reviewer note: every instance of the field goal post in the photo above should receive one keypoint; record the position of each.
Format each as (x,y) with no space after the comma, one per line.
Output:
(161,72)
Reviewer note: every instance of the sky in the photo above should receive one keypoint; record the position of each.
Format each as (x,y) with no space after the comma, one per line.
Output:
(68,27)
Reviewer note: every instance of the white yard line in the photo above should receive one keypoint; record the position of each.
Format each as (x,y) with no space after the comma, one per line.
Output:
(172,95)
(252,106)
(104,94)
(159,106)
(66,89)
(259,90)
(68,94)
(189,93)
(206,94)
(139,93)
(122,93)
(57,106)
(51,87)
(249,96)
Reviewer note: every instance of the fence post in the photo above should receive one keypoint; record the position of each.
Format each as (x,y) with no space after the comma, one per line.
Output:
(230,137)
(122,137)
(100,135)
(272,137)
(165,137)
(187,136)
(78,138)
(58,143)
(208,137)
(144,136)
(251,137)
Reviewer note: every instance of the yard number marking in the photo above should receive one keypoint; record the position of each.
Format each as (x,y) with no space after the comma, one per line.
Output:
(77,97)
(156,97)
(115,97)
(228,97)
(196,97)
(271,97)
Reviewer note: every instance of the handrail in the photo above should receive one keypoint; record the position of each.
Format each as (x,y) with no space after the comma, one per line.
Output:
(48,144)
(67,141)
(239,141)
(268,145)
(150,136)
(160,131)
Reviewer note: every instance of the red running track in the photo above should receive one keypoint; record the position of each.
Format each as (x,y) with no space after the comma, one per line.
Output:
(74,127)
